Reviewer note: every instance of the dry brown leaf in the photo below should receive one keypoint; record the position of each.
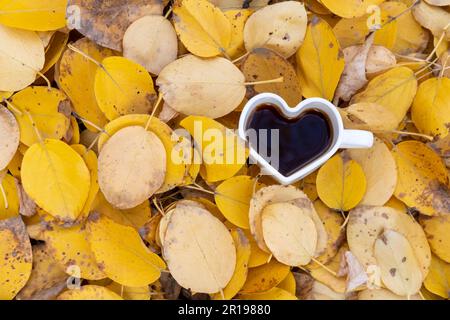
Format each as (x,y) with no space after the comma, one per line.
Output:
(105,22)
(264,64)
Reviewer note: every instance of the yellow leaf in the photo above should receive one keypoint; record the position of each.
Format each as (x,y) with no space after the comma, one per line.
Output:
(437,229)
(394,90)
(9,135)
(289,233)
(223,157)
(130,293)
(39,109)
(15,257)
(349,8)
(272,294)
(233,199)
(400,270)
(56,178)
(89,292)
(123,87)
(196,243)
(217,85)
(176,171)
(422,178)
(431,107)
(396,204)
(351,32)
(135,217)
(76,77)
(408,36)
(367,223)
(39,15)
(433,18)
(240,272)
(90,158)
(289,195)
(380,171)
(438,280)
(320,61)
(21,58)
(383,294)
(289,284)
(152,42)
(273,26)
(341,183)
(74,132)
(369,116)
(131,167)
(264,64)
(69,246)
(258,257)
(202,27)
(332,222)
(337,284)
(47,277)
(121,254)
(265,277)
(237,18)
(15,165)
(55,49)
(8,192)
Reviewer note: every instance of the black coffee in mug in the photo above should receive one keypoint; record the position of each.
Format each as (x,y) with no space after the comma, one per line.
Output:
(301,140)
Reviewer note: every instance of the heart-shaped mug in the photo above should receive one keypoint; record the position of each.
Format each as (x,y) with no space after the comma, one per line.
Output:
(340,138)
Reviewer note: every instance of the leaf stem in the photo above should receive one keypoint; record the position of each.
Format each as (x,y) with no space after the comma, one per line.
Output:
(277,80)
(5,199)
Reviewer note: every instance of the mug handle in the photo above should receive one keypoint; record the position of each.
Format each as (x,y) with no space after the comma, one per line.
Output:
(356,139)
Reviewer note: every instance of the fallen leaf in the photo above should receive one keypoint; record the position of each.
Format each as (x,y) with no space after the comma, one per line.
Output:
(151,41)
(15,257)
(22,57)
(271,27)
(422,179)
(121,254)
(320,61)
(131,167)
(263,64)
(217,84)
(431,107)
(56,178)
(341,183)
(202,27)
(204,240)
(105,23)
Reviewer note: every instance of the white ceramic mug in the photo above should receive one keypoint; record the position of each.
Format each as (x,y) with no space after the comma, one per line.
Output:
(342,138)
